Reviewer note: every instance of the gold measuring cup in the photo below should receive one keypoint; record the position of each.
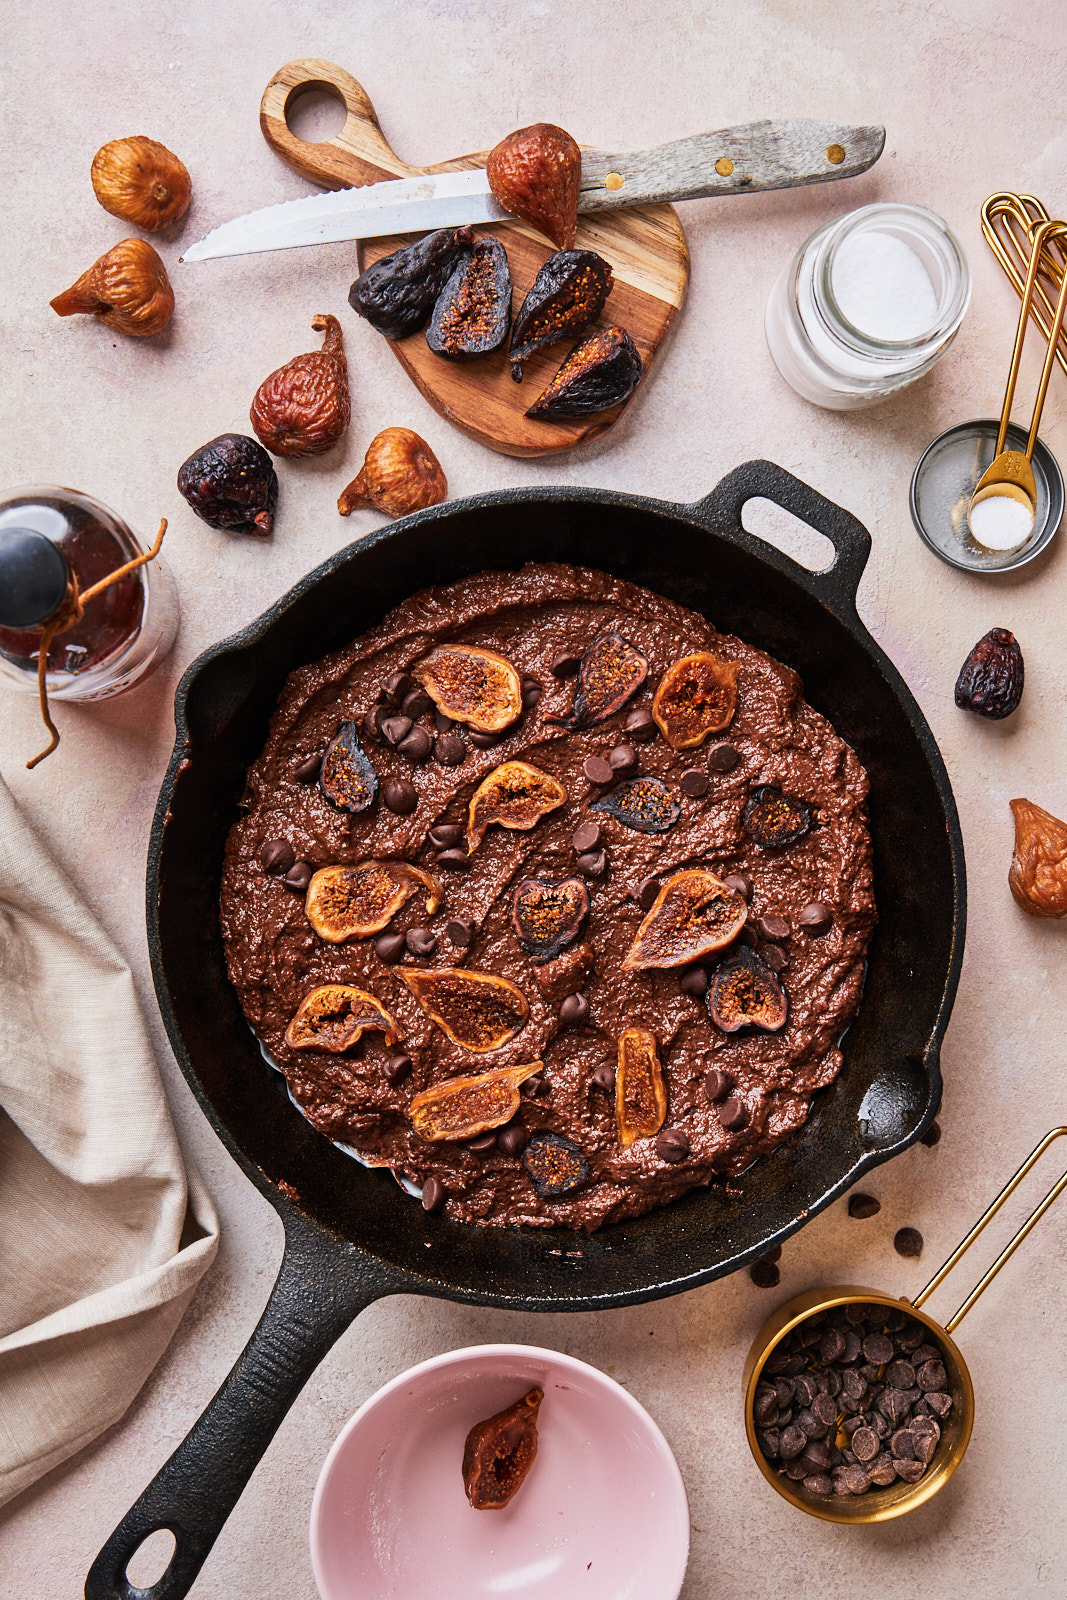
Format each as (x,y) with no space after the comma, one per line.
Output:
(881,1505)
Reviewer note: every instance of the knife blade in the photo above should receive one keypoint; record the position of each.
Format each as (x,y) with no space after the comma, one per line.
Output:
(743,160)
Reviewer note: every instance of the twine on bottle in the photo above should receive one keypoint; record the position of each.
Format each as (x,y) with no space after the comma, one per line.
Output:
(70,612)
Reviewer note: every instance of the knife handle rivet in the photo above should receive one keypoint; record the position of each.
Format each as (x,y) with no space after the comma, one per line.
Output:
(614,180)
(724,166)
(836,154)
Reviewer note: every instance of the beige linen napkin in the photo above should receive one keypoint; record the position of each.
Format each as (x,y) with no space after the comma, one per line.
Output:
(103,1236)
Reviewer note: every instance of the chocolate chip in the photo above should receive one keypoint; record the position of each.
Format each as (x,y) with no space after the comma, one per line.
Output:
(416,704)
(420,941)
(815,918)
(932,1135)
(372,724)
(486,741)
(940,1404)
(924,1446)
(400,795)
(818,1483)
(299,876)
(603,1077)
(454,861)
(565,666)
(586,837)
(416,746)
(865,1444)
(856,1479)
(775,1254)
(535,1086)
(901,1375)
(792,1441)
(722,758)
(307,771)
(389,947)
(832,1345)
(817,1456)
(641,725)
(694,783)
(908,1242)
(733,1114)
(433,1194)
(765,1274)
(574,1011)
(443,835)
(597,770)
(910,1471)
(717,1085)
(764,1403)
(396,728)
(276,856)
(646,893)
(531,692)
(592,864)
(623,760)
(863,1205)
(932,1376)
(442,721)
(740,884)
(672,1145)
(824,1409)
(397,685)
(878,1349)
(460,932)
(902,1445)
(396,1069)
(694,981)
(483,1143)
(747,936)
(773,956)
(773,927)
(513,1139)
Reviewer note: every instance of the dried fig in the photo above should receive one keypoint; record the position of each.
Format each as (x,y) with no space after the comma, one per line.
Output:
(548,914)
(556,1165)
(499,1452)
(775,820)
(640,1095)
(462,1108)
(231,484)
(477,1010)
(302,409)
(643,804)
(602,371)
(516,796)
(473,311)
(1038,873)
(396,294)
(536,174)
(569,293)
(354,902)
(991,679)
(127,289)
(471,685)
(334,1016)
(611,673)
(744,993)
(693,915)
(400,474)
(697,696)
(347,778)
(142,182)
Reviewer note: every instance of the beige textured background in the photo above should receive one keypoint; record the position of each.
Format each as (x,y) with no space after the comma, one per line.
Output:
(972,93)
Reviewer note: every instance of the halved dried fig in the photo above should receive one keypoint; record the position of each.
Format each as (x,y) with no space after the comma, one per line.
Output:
(567,295)
(693,914)
(744,993)
(643,804)
(602,371)
(1038,873)
(334,1016)
(472,685)
(516,795)
(477,1010)
(547,914)
(462,1108)
(499,1452)
(347,779)
(473,310)
(396,294)
(536,174)
(611,673)
(354,902)
(640,1094)
(697,696)
(774,819)
(556,1165)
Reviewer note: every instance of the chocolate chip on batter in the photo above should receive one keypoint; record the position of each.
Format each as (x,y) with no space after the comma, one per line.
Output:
(586,837)
(397,685)
(694,783)
(443,835)
(416,745)
(483,1142)
(396,728)
(389,947)
(723,758)
(603,1077)
(908,1242)
(299,876)
(623,760)
(598,770)
(307,770)
(400,796)
(433,1194)
(733,1114)
(646,892)
(739,884)
(513,1139)
(442,721)
(672,1145)
(773,927)
(640,725)
(460,932)
(276,856)
(765,1274)
(694,981)
(932,1135)
(420,941)
(454,861)
(815,918)
(531,693)
(773,956)
(863,1205)
(574,1012)
(371,725)
(416,703)
(486,741)
(717,1085)
(396,1069)
(535,1087)
(565,665)
(592,864)
(449,750)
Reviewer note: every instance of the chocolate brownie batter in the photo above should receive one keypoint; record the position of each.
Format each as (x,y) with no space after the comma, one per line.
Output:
(730,1097)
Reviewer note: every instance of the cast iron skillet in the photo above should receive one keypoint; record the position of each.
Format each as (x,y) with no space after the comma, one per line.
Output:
(351,1235)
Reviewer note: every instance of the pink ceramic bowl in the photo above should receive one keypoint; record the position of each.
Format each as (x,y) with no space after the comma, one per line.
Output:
(602,1515)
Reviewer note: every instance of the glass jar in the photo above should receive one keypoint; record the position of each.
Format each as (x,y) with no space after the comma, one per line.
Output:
(824,356)
(47,534)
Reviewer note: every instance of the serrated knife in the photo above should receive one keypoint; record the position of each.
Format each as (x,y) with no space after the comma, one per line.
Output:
(741,160)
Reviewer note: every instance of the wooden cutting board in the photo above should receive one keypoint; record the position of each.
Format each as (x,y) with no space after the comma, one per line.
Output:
(645,247)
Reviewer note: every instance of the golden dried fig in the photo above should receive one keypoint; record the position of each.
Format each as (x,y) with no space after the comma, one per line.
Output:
(640,1095)
(302,409)
(334,1016)
(400,474)
(536,174)
(128,289)
(516,796)
(354,902)
(499,1452)
(141,181)
(462,1108)
(471,685)
(1038,873)
(477,1010)
(696,697)
(693,914)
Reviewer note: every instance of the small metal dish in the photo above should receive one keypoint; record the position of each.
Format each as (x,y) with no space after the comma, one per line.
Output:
(882,1505)
(947,475)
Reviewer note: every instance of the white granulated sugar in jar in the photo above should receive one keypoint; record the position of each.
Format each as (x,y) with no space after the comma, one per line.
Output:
(882,287)
(1000,522)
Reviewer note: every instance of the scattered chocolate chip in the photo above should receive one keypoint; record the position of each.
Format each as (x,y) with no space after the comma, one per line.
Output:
(765,1274)
(773,927)
(420,941)
(276,856)
(416,704)
(640,725)
(694,981)
(623,760)
(484,741)
(389,947)
(815,918)
(433,1194)
(307,771)
(483,1143)
(908,1242)
(932,1135)
(723,758)
(863,1205)
(592,864)
(371,724)
(397,685)
(396,1069)
(442,721)
(775,1254)
(597,770)
(586,837)
(396,728)
(400,795)
(733,1114)
(603,1077)
(574,1012)
(513,1139)
(747,936)
(454,861)
(535,1086)
(646,893)
(672,1145)
(717,1085)
(565,666)
(299,876)
(773,956)
(531,694)
(416,746)
(739,884)
(460,932)
(694,783)
(443,835)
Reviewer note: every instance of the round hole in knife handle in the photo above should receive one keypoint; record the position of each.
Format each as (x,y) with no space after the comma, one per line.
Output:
(602,1510)
(869,304)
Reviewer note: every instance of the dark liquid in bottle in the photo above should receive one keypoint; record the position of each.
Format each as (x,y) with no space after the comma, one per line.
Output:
(92,550)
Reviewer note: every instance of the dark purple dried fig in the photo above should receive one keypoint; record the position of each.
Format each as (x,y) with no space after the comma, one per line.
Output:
(397,293)
(643,804)
(230,482)
(473,311)
(556,1165)
(991,679)
(746,994)
(602,371)
(611,673)
(548,914)
(347,779)
(567,295)
(775,820)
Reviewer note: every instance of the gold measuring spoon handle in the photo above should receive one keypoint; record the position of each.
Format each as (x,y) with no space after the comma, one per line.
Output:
(1020,333)
(987,1216)
(1007,224)
(1047,231)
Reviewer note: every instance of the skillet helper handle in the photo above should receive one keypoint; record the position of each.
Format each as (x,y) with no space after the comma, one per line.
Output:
(312,1303)
(987,1216)
(721,512)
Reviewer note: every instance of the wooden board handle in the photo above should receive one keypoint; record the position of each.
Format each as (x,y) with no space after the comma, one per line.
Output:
(358,154)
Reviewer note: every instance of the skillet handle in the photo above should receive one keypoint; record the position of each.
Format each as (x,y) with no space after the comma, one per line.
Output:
(314,1299)
(721,512)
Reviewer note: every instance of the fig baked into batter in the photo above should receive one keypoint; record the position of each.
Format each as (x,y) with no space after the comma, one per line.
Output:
(595,952)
